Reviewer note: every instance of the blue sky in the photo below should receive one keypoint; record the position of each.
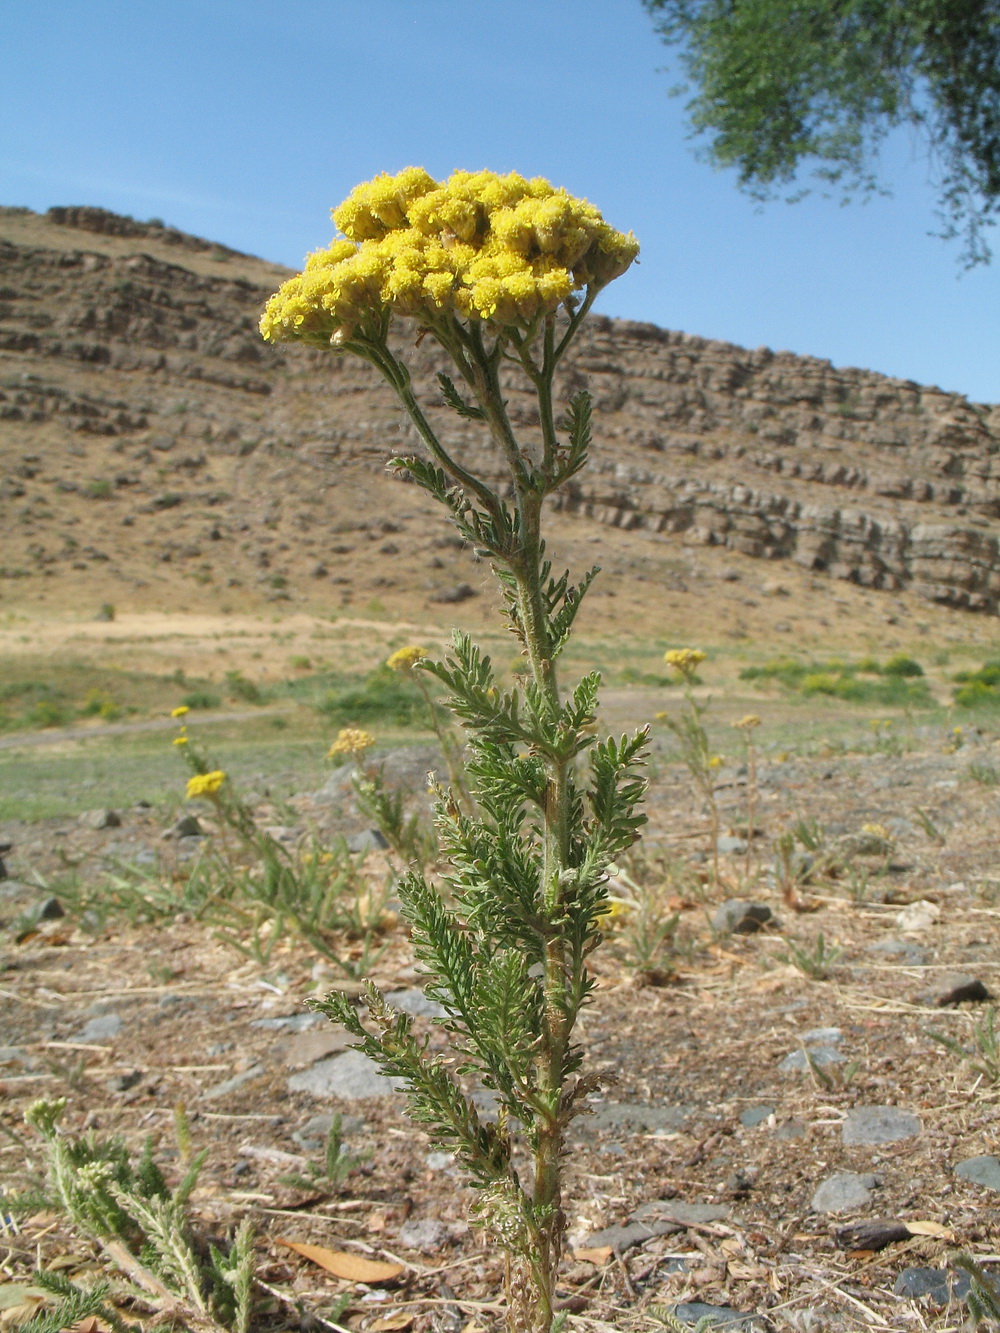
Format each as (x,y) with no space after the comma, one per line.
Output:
(246,120)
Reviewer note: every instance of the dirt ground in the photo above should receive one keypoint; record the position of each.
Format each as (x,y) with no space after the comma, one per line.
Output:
(690,1058)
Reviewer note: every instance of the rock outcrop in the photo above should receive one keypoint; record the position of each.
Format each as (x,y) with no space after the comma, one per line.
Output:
(135,332)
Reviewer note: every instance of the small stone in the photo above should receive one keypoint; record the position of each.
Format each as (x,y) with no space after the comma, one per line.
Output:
(460,592)
(622,1238)
(416,1002)
(820,1055)
(305,1048)
(232,1084)
(370,840)
(730,846)
(351,1076)
(755,1115)
(843,1192)
(824,1036)
(878,1124)
(935,1283)
(102,1028)
(123,1082)
(911,955)
(439,1161)
(955,988)
(738,917)
(100,819)
(791,1129)
(722,1316)
(426,1235)
(50,910)
(289,1022)
(680,1214)
(616,1115)
(185,827)
(984,1170)
(918,916)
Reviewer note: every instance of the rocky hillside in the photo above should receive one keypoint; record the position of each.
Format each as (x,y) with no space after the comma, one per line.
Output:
(147,433)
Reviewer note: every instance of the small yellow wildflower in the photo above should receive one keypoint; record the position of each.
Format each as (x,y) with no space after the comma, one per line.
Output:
(405,659)
(205,784)
(352,741)
(715,761)
(181,711)
(877,831)
(684,660)
(180,740)
(661,716)
(746,723)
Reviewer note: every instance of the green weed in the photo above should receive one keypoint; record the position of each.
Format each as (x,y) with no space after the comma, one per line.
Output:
(814,962)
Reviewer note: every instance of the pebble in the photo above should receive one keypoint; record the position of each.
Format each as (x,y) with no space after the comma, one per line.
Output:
(100,819)
(683,1214)
(426,1235)
(984,1170)
(820,1055)
(369,840)
(102,1028)
(730,846)
(909,954)
(614,1115)
(231,1084)
(351,1076)
(439,1161)
(755,1115)
(878,1124)
(791,1129)
(289,1022)
(918,916)
(187,826)
(825,1036)
(843,1193)
(933,1282)
(723,1316)
(739,917)
(51,909)
(955,988)
(305,1048)
(416,1002)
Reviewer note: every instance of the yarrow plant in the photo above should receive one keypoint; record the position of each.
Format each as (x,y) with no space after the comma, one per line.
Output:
(499,271)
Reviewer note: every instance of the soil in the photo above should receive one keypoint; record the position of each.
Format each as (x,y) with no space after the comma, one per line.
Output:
(689,1058)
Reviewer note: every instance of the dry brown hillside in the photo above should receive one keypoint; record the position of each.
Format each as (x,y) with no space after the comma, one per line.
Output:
(154,453)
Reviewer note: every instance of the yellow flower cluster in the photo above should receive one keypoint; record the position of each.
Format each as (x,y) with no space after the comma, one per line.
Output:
(205,784)
(746,723)
(684,660)
(350,740)
(182,711)
(479,246)
(405,659)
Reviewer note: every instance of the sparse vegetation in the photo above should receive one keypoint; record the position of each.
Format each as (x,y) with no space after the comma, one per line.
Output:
(898,682)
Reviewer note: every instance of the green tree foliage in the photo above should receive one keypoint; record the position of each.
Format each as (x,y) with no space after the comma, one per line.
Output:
(783,84)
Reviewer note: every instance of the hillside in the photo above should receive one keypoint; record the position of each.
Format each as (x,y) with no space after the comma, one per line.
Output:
(156,454)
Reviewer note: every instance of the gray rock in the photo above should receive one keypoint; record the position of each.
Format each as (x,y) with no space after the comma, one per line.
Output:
(416,1002)
(936,1283)
(370,840)
(984,1170)
(825,1036)
(723,1316)
(730,846)
(102,1028)
(683,1214)
(289,1022)
(791,1129)
(460,592)
(439,1161)
(623,1238)
(100,819)
(185,827)
(427,1235)
(878,1124)
(123,1082)
(755,1115)
(614,1115)
(739,917)
(51,909)
(910,955)
(10,1055)
(232,1084)
(821,1055)
(843,1193)
(351,1076)
(313,1134)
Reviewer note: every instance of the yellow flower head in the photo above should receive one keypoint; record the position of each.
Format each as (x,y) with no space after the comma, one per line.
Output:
(747,723)
(877,831)
(205,784)
(181,711)
(715,761)
(684,660)
(405,659)
(478,246)
(180,740)
(352,741)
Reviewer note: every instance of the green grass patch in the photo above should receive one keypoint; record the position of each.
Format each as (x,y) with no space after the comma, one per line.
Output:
(978,689)
(898,682)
